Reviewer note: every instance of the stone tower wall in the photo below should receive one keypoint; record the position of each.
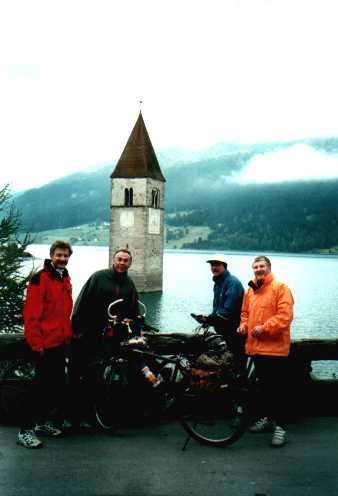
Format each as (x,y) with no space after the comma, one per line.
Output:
(140,228)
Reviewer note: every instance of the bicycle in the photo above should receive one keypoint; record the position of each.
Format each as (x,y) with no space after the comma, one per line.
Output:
(212,410)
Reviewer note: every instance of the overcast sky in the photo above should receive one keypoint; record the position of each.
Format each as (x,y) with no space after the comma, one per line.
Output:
(72,74)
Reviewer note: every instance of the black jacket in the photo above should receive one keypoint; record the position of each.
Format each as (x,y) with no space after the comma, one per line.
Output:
(102,288)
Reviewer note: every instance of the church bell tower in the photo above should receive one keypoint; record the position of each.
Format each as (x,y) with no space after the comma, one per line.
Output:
(137,209)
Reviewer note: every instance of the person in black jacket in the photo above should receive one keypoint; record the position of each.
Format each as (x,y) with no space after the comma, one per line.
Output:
(102,288)
(89,319)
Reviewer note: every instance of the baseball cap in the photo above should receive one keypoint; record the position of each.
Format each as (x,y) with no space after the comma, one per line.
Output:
(217,258)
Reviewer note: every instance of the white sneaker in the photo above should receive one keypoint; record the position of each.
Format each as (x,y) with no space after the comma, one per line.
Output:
(48,429)
(279,437)
(262,425)
(28,439)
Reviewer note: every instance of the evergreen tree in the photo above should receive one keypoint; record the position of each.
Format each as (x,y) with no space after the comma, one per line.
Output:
(12,257)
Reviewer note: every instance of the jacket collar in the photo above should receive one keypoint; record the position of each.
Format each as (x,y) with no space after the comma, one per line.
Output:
(255,285)
(119,276)
(219,279)
(49,267)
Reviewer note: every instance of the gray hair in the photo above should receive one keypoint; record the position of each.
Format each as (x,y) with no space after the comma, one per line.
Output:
(123,250)
(264,258)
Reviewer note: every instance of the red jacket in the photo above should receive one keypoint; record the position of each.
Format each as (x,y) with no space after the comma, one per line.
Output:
(48,308)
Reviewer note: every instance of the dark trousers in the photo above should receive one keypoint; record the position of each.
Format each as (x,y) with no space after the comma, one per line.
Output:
(272,373)
(81,380)
(45,398)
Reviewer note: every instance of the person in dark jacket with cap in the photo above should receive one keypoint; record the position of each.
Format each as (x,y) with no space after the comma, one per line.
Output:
(226,311)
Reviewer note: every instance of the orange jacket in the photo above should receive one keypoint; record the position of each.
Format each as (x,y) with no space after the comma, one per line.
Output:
(271,306)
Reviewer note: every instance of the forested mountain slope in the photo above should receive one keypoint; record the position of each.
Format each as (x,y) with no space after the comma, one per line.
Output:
(285,216)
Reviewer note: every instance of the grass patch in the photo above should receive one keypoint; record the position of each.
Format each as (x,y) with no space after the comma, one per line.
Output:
(86,234)
(98,235)
(177,236)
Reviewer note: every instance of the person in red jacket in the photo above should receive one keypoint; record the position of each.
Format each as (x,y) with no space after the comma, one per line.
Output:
(266,316)
(47,329)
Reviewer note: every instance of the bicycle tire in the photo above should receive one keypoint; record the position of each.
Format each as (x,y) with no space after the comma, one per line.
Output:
(110,398)
(213,418)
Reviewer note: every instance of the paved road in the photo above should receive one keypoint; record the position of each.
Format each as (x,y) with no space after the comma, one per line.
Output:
(150,462)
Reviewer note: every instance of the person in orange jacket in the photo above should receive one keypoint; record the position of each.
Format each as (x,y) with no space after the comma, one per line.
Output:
(47,329)
(266,316)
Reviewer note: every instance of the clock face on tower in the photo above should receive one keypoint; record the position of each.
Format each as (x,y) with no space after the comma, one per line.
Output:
(154,224)
(126,218)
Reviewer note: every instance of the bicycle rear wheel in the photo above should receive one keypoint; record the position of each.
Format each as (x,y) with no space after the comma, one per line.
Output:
(214,419)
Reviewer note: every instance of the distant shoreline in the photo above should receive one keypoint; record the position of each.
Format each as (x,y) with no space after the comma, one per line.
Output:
(211,250)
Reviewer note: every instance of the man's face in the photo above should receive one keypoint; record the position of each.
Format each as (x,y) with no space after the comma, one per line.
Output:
(261,269)
(60,258)
(121,261)
(217,268)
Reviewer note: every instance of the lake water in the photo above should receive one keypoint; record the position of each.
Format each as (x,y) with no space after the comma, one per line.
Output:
(187,286)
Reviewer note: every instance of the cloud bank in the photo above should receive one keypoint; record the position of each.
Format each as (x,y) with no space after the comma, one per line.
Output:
(299,162)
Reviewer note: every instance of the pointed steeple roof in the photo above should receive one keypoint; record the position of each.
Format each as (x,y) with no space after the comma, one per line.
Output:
(138,158)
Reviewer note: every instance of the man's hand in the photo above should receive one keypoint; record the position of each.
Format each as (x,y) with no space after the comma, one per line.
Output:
(257,331)
(201,319)
(241,330)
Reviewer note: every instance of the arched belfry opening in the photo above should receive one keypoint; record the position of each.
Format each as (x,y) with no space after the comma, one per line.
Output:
(128,197)
(137,209)
(155,198)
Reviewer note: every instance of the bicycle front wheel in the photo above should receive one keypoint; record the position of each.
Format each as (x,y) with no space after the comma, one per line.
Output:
(110,398)
(214,419)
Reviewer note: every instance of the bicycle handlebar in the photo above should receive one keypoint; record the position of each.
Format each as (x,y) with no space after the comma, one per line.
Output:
(120,300)
(144,308)
(110,306)
(197,317)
